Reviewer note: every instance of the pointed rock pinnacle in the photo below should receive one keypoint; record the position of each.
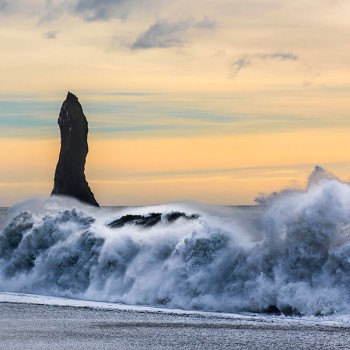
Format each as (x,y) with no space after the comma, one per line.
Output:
(69,175)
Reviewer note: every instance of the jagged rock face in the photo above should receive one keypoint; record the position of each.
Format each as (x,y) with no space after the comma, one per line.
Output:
(150,220)
(69,175)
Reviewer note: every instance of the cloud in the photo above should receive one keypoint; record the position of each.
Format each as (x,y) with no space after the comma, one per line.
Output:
(245,61)
(165,34)
(100,10)
(52,11)
(240,63)
(280,56)
(161,34)
(7,7)
(50,35)
(3,5)
(206,23)
(87,10)
(218,53)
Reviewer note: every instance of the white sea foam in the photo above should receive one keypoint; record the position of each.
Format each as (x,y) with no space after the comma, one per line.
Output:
(290,254)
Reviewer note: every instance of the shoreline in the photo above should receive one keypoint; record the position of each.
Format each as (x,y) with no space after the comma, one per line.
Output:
(67,327)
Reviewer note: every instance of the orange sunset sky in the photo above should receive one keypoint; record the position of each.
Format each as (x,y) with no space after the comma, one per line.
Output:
(209,101)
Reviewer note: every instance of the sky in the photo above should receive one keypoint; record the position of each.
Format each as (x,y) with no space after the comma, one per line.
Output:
(208,101)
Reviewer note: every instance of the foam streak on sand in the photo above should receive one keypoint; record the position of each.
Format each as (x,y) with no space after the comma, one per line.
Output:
(291,254)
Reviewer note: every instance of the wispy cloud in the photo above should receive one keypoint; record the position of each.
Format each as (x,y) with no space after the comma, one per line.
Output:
(245,61)
(89,10)
(280,56)
(165,33)
(205,23)
(241,63)
(3,5)
(161,34)
(52,11)
(8,7)
(100,10)
(50,35)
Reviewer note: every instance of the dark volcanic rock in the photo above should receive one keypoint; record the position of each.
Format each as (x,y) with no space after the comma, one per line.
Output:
(69,176)
(150,220)
(174,215)
(139,220)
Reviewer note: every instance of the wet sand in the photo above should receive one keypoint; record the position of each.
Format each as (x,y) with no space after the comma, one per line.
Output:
(30,326)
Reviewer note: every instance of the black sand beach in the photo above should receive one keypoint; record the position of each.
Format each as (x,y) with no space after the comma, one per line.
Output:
(29,326)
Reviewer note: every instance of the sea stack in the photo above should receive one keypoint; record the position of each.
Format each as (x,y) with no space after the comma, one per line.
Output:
(69,175)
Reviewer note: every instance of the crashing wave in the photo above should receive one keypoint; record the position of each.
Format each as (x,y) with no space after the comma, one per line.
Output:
(289,255)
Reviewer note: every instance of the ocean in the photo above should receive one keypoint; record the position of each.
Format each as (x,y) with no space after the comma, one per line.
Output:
(237,277)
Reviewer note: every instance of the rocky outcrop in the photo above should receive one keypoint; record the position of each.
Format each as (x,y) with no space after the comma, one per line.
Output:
(69,175)
(151,219)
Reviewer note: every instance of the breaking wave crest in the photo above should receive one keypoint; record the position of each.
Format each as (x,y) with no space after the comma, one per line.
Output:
(291,254)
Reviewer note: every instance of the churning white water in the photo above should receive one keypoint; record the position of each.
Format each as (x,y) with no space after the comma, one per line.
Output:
(291,254)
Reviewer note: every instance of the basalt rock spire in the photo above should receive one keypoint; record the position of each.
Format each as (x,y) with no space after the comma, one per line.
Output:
(69,175)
